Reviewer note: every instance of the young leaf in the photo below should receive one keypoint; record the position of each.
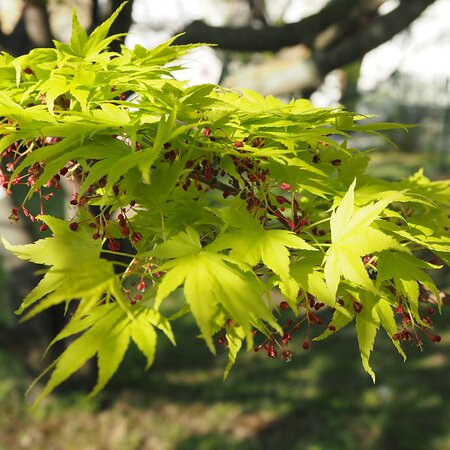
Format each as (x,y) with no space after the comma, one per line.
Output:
(353,236)
(367,324)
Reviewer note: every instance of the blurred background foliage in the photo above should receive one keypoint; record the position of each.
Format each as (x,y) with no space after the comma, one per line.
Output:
(383,57)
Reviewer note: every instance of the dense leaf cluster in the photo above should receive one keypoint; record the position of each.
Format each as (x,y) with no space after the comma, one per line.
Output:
(228,197)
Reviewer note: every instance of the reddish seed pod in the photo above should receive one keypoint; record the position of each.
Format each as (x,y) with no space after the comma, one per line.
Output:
(285,186)
(357,306)
(286,338)
(272,353)
(428,320)
(281,200)
(73,226)
(336,162)
(113,245)
(435,338)
(43,227)
(238,144)
(331,327)
(305,345)
(223,341)
(366,259)
(284,306)
(138,297)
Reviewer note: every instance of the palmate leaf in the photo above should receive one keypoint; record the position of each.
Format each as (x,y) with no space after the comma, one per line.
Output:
(76,269)
(210,282)
(107,331)
(252,244)
(353,236)
(270,247)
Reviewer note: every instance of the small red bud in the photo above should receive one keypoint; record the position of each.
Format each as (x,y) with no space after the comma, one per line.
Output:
(223,341)
(142,285)
(435,338)
(281,200)
(113,245)
(285,186)
(284,306)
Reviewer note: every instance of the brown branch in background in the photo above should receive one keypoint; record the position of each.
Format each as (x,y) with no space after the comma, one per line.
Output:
(375,33)
(271,38)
